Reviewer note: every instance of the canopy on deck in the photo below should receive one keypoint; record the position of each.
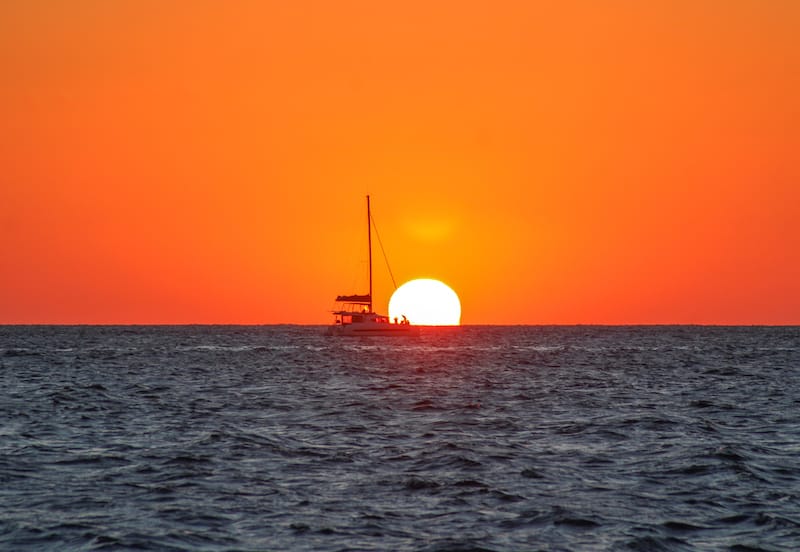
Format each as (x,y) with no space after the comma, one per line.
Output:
(358,299)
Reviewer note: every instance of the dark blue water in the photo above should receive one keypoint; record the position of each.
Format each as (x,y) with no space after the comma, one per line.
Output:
(480,438)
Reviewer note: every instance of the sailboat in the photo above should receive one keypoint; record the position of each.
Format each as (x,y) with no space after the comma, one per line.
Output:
(355,316)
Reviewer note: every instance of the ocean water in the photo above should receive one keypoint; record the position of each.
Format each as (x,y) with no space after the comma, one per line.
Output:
(476,438)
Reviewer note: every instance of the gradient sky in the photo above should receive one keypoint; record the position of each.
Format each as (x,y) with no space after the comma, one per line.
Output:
(553,162)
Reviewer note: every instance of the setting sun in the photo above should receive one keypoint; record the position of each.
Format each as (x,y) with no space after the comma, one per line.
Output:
(426,302)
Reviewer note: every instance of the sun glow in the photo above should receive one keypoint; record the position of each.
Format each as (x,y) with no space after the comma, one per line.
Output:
(426,302)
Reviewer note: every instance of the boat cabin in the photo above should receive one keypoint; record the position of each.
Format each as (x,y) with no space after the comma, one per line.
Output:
(345,317)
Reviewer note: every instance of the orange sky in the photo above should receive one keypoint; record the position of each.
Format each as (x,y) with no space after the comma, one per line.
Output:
(554,162)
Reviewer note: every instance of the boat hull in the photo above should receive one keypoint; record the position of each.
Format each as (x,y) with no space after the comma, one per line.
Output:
(376,330)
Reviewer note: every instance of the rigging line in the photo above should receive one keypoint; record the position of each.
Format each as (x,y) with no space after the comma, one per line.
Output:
(385,258)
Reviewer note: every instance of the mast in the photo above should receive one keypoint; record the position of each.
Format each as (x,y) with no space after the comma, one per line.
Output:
(369,248)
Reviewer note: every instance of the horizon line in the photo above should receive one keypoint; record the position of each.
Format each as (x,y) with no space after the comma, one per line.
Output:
(540,324)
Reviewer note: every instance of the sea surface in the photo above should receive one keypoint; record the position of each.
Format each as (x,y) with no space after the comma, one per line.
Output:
(217,438)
